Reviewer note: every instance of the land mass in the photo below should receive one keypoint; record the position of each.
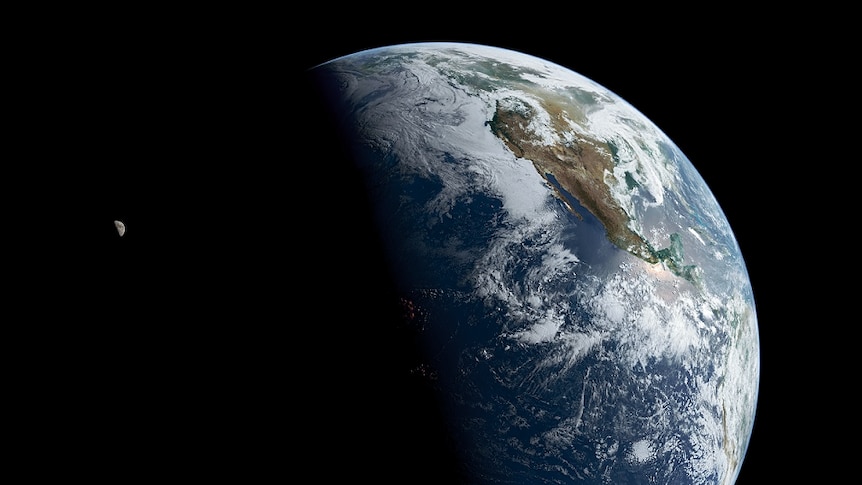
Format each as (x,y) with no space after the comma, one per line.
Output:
(580,167)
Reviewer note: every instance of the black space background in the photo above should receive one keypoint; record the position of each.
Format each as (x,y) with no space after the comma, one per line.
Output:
(222,333)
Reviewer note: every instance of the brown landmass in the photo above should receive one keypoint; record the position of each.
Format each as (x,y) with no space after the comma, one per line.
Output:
(580,168)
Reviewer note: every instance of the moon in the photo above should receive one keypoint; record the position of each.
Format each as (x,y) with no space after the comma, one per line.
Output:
(121,228)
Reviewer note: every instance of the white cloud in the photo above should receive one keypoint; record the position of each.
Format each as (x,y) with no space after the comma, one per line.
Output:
(642,451)
(542,331)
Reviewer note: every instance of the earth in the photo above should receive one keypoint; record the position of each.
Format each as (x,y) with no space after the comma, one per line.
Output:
(576,302)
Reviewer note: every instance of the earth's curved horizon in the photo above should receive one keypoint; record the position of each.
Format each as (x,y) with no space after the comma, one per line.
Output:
(583,309)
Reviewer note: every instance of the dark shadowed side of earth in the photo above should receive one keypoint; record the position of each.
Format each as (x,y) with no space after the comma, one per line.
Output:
(367,407)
